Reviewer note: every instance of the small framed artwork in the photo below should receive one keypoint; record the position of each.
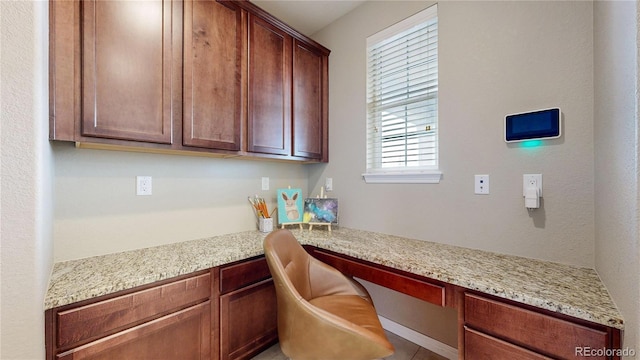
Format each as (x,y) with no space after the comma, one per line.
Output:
(320,211)
(290,206)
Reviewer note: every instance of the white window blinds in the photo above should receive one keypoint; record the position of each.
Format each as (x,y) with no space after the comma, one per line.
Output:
(402,95)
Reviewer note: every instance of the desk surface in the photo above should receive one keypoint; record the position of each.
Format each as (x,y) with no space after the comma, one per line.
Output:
(564,289)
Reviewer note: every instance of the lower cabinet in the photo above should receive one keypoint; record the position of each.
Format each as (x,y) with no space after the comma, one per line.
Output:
(226,312)
(181,335)
(478,345)
(167,320)
(248,322)
(496,329)
(248,309)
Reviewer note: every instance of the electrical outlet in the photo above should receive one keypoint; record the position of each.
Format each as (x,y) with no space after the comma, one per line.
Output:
(532,180)
(328,184)
(265,183)
(143,185)
(482,184)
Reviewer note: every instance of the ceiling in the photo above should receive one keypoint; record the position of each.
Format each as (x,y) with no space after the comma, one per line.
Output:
(308,16)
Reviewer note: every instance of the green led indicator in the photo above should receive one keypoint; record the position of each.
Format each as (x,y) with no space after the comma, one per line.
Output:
(531,143)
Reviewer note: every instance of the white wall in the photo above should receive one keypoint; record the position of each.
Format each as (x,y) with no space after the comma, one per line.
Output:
(26,178)
(616,157)
(495,58)
(97,211)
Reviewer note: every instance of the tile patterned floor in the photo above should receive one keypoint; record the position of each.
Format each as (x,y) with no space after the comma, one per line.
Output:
(405,350)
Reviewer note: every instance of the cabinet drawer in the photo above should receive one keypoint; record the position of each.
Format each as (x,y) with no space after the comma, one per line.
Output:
(245,273)
(484,347)
(394,280)
(539,332)
(184,334)
(105,317)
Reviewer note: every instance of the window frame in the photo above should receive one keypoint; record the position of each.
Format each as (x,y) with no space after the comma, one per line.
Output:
(403,174)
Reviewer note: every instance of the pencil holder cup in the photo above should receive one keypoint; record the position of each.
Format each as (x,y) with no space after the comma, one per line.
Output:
(265,224)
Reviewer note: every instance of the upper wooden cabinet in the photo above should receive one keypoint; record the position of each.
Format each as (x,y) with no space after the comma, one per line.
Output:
(310,93)
(214,58)
(217,77)
(288,93)
(115,78)
(269,88)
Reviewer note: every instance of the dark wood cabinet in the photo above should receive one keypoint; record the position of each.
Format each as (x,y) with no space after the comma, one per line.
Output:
(269,88)
(143,323)
(248,309)
(505,329)
(288,94)
(310,93)
(181,335)
(128,61)
(485,347)
(209,77)
(214,71)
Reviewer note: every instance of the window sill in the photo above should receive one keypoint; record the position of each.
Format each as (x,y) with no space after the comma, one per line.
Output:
(419,177)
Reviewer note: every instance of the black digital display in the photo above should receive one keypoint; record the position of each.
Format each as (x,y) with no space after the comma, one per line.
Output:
(542,124)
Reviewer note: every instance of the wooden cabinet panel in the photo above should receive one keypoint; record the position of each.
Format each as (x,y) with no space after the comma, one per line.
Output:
(535,331)
(236,276)
(214,64)
(127,66)
(269,89)
(479,346)
(309,102)
(108,316)
(185,334)
(248,320)
(223,76)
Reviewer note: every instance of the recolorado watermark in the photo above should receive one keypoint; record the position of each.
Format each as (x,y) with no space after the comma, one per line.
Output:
(587,351)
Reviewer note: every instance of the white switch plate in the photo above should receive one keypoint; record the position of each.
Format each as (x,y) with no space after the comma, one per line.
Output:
(328,184)
(143,185)
(482,184)
(529,180)
(265,183)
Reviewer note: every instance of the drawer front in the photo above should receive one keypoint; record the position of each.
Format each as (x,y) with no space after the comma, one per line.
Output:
(108,316)
(538,332)
(423,290)
(157,339)
(239,275)
(480,346)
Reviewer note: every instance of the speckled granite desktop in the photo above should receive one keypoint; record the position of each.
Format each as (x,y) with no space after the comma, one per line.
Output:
(568,290)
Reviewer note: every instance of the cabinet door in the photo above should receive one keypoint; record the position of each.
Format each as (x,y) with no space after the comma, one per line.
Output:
(214,58)
(248,321)
(185,334)
(269,92)
(127,61)
(309,102)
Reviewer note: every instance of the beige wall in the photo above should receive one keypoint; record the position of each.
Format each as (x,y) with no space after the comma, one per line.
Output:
(97,211)
(495,58)
(616,158)
(25,179)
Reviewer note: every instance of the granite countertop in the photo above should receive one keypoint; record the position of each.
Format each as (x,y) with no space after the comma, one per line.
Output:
(564,289)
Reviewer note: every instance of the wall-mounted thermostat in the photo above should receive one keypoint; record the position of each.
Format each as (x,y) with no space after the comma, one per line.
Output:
(534,125)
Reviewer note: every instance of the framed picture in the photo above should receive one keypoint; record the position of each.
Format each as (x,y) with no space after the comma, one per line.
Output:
(289,206)
(320,211)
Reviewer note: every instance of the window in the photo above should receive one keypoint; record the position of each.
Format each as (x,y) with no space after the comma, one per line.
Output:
(402,101)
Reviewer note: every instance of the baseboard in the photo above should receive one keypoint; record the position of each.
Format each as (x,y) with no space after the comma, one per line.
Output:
(419,339)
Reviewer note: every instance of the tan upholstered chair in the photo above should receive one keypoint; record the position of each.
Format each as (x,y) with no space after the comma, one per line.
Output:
(322,314)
